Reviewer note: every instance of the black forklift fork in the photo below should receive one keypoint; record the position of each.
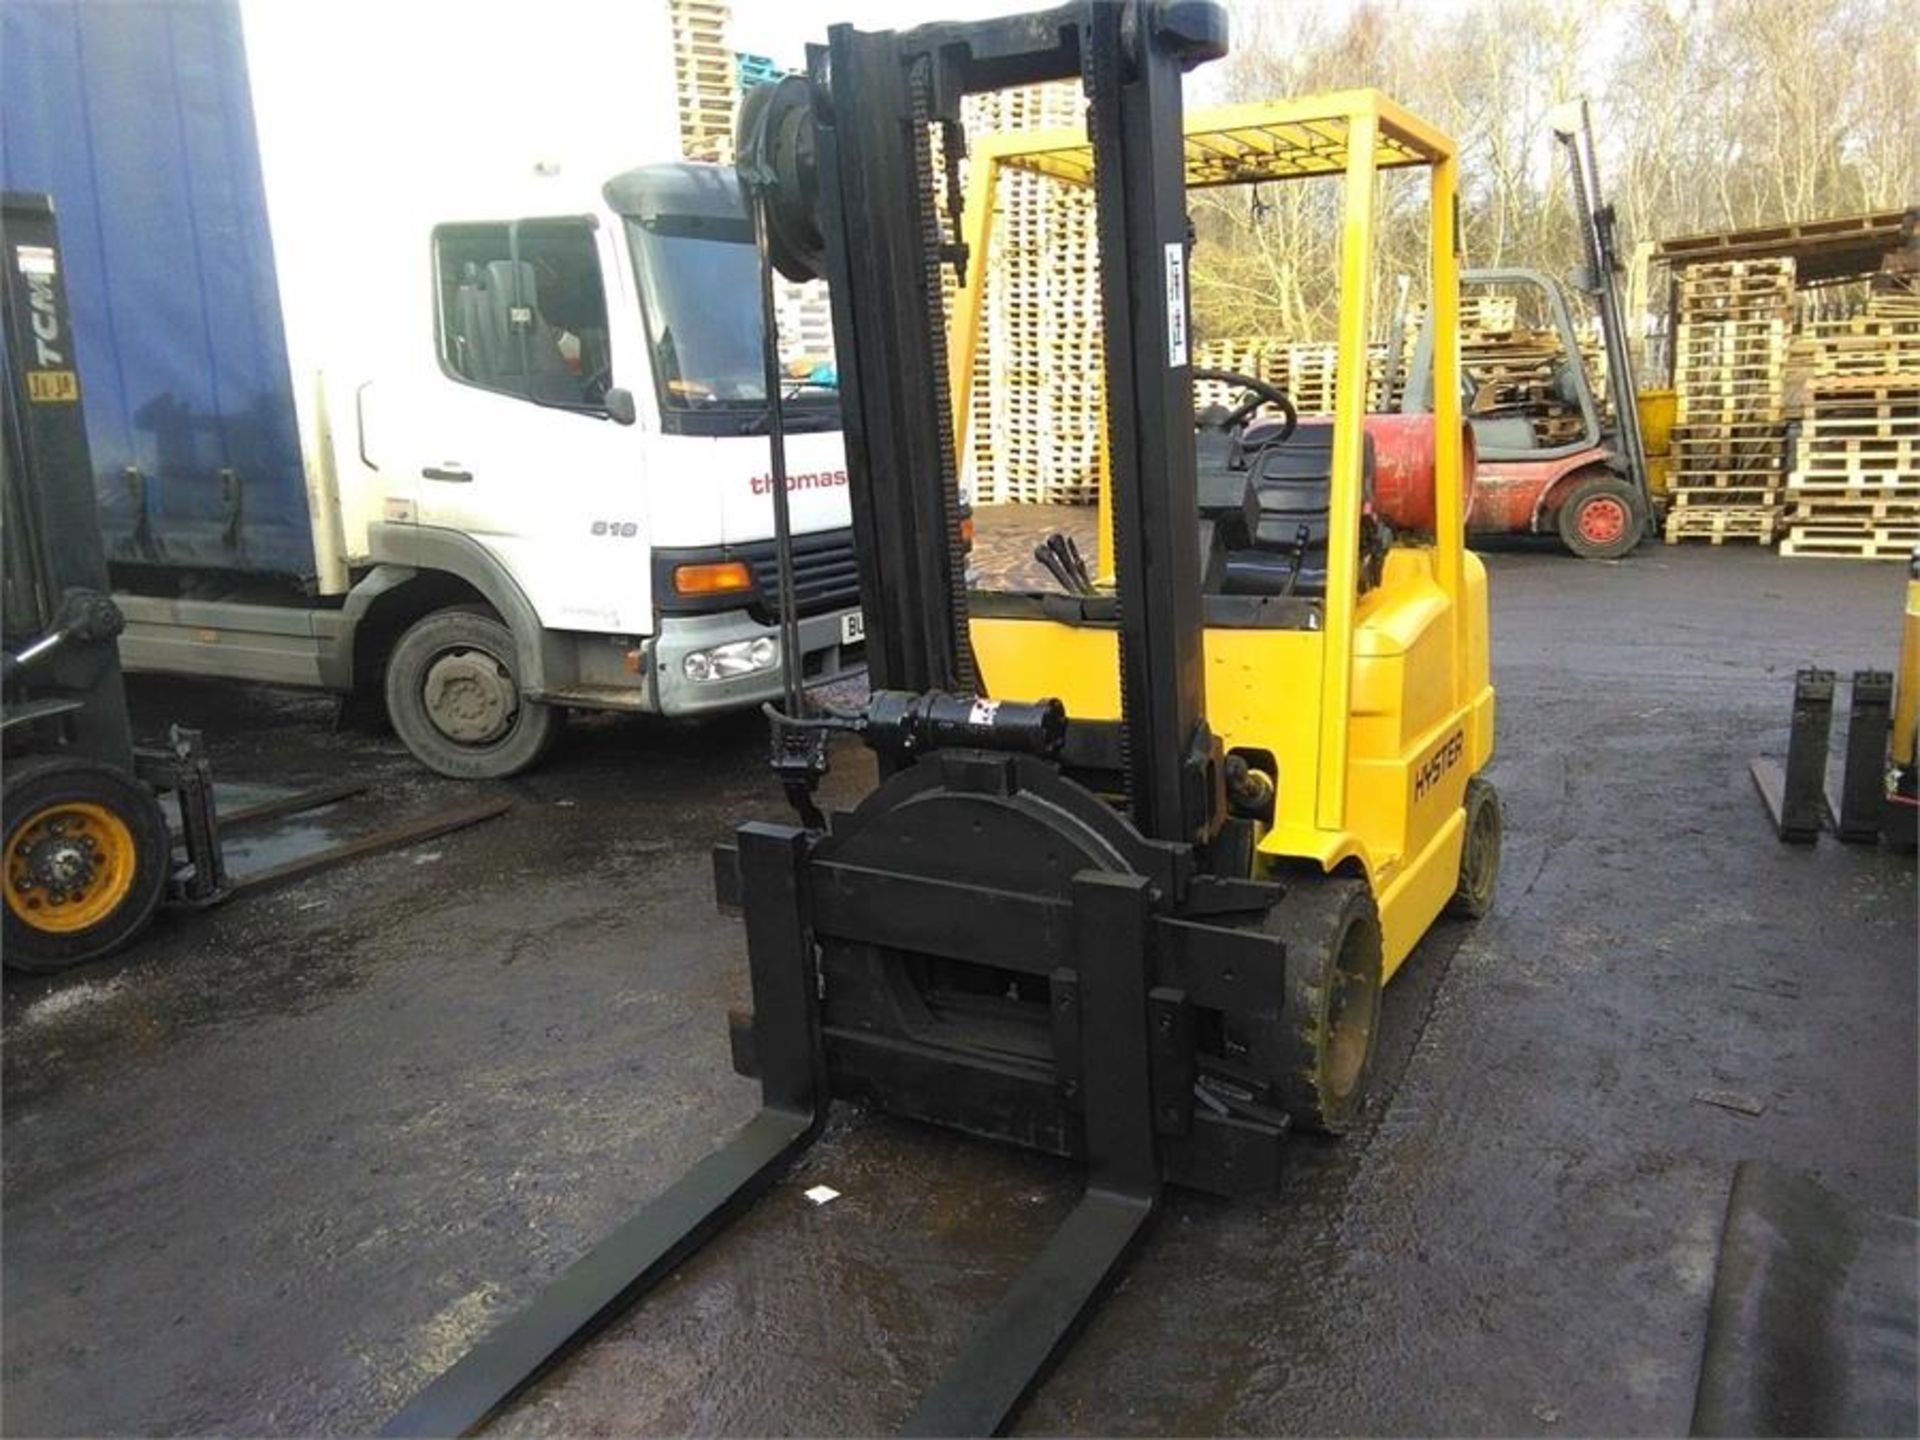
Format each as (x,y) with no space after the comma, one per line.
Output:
(1798,797)
(1037,1317)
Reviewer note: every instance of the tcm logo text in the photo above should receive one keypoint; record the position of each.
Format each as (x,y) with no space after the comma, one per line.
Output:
(46,320)
(813,480)
(1439,763)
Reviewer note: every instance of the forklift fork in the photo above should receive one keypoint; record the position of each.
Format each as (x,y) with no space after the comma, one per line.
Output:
(1038,1317)
(1792,792)
(604,1282)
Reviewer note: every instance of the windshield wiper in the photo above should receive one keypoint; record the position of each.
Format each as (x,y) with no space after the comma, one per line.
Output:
(808,415)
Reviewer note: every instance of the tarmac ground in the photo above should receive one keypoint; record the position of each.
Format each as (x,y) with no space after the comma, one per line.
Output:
(273,1168)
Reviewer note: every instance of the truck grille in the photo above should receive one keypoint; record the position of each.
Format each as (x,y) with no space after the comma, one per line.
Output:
(825,576)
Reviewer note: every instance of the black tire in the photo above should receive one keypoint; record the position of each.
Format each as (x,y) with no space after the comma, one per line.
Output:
(478,726)
(1602,518)
(125,870)
(1479,852)
(1319,1054)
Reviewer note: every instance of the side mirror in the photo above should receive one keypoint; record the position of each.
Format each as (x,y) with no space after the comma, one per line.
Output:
(619,405)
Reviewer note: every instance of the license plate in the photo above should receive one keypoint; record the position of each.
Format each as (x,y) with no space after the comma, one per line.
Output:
(853,628)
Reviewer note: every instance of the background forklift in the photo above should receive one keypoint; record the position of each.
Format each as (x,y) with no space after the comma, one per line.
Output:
(1138,860)
(1591,489)
(90,847)
(88,855)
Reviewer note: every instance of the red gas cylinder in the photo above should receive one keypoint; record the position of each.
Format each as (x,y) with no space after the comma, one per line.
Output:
(1403,454)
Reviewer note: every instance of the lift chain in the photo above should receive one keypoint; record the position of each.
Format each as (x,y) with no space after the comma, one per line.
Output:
(933,246)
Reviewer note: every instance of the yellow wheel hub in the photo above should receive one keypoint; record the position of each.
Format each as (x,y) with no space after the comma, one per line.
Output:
(69,866)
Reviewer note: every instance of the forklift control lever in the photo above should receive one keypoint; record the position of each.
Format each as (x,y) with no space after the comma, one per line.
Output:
(85,616)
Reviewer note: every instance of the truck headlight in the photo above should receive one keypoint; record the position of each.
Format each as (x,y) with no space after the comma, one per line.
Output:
(732,660)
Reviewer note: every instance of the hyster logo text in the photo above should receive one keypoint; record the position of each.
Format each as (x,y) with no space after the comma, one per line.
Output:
(813,480)
(1438,764)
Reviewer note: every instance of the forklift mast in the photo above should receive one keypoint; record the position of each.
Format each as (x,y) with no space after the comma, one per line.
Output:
(877,99)
(56,566)
(1602,281)
(980,941)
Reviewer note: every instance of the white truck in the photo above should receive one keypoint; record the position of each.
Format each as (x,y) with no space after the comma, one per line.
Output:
(415,385)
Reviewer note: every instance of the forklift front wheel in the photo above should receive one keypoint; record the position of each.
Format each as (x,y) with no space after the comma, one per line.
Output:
(1601,518)
(1331,1012)
(86,861)
(1479,852)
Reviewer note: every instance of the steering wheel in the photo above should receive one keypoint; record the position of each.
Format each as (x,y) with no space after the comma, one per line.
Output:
(1263,394)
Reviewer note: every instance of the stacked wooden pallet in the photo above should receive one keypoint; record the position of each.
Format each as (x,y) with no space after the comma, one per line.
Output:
(1729,434)
(1036,416)
(1855,486)
(1313,373)
(704,77)
(804,314)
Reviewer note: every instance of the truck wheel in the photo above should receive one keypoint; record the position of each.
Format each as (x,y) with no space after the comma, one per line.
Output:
(455,700)
(1479,852)
(1318,1053)
(87,858)
(1601,518)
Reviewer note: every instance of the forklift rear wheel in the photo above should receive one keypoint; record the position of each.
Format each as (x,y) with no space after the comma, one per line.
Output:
(1479,852)
(86,861)
(1330,1014)
(454,698)
(1601,518)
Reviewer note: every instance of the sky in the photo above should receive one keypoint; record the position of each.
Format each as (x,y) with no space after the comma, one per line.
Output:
(780,29)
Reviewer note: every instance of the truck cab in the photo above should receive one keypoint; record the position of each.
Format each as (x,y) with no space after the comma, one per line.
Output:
(458,409)
(582,441)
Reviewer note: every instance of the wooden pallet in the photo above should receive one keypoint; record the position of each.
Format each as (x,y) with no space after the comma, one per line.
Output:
(1756,523)
(1902,509)
(1861,421)
(1697,498)
(1902,386)
(1860,488)
(1879,452)
(1703,272)
(1877,542)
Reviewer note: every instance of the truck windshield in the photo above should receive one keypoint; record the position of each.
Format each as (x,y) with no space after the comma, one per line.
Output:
(699,283)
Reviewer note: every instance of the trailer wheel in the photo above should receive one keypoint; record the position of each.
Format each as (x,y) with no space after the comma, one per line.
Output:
(1601,518)
(1479,852)
(454,698)
(1318,1054)
(86,861)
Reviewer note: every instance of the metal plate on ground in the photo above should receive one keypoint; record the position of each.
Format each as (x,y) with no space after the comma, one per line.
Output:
(1813,1328)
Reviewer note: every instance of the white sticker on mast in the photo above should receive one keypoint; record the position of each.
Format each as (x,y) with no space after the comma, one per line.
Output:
(1176,304)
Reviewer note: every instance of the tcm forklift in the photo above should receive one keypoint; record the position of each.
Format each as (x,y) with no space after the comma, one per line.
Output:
(90,849)
(1140,856)
(88,856)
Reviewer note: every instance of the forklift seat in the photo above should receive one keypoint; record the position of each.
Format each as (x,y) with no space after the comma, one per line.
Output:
(1265,512)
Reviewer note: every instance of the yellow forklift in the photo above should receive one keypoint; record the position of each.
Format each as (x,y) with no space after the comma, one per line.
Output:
(1140,855)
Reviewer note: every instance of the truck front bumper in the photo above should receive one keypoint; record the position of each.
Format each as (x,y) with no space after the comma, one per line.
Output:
(824,658)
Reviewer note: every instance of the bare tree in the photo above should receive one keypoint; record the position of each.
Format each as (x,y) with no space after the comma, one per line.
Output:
(1712,114)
